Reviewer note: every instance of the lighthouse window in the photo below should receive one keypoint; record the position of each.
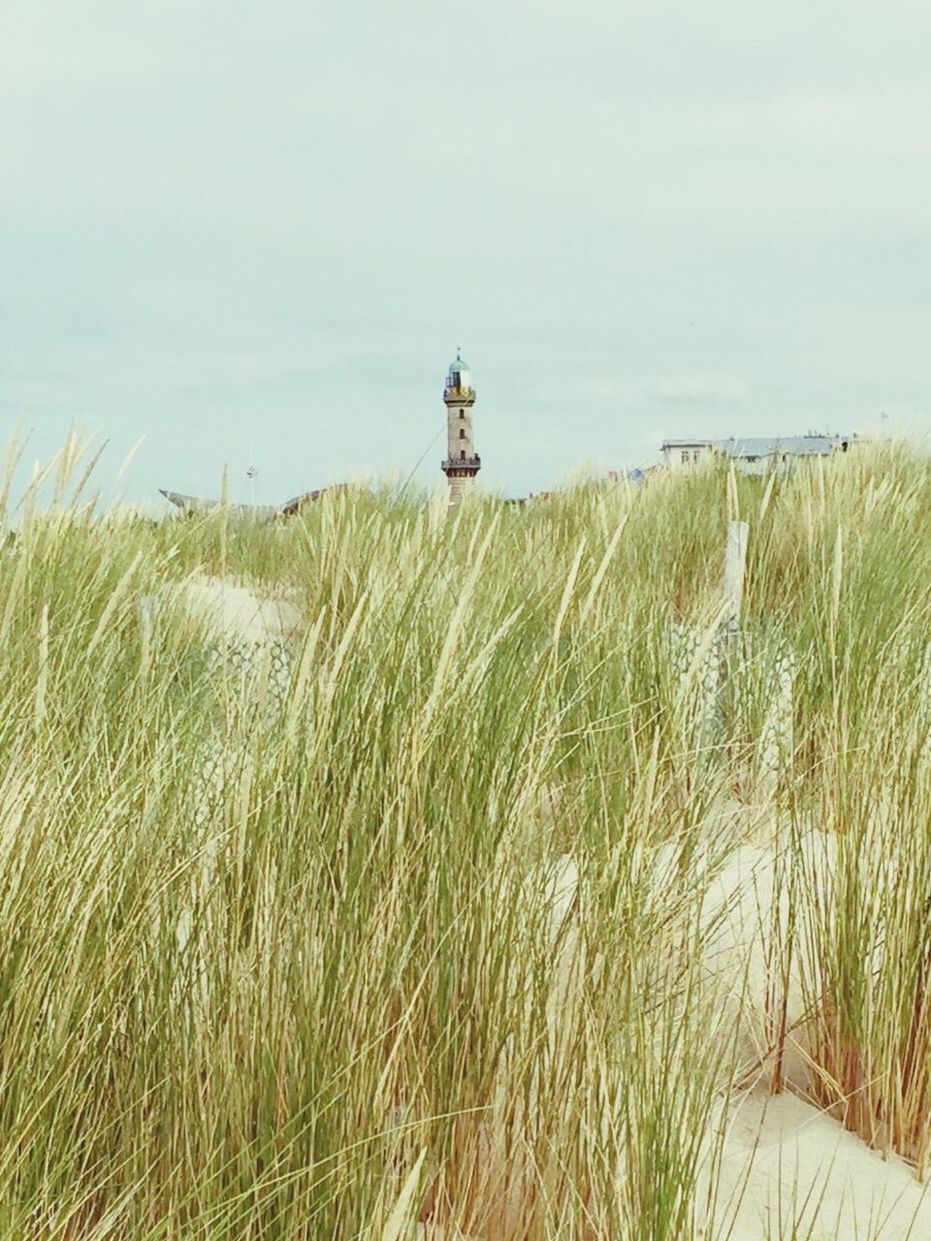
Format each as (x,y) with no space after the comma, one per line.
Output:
(462,433)
(462,454)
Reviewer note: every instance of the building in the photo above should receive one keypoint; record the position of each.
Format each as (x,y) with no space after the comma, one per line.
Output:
(756,454)
(462,463)
(198,506)
(679,453)
(255,512)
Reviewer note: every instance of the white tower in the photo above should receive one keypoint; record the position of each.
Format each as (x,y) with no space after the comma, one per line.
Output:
(462,462)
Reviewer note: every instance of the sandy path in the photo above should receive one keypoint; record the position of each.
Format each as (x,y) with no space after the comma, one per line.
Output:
(794,1165)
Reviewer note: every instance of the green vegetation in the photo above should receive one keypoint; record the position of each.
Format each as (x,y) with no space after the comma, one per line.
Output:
(424,940)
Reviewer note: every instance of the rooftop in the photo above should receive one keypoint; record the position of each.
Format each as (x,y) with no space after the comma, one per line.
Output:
(770,446)
(767,445)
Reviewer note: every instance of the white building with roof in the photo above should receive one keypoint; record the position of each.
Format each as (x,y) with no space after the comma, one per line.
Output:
(754,454)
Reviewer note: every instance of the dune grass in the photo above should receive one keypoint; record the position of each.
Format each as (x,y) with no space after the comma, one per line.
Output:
(420,941)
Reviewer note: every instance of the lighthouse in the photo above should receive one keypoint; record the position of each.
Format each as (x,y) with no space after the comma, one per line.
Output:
(462,462)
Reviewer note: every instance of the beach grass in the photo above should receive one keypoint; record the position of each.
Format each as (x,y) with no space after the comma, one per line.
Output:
(415,933)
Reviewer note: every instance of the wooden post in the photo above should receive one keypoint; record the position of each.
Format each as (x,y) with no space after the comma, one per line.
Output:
(729,647)
(735,562)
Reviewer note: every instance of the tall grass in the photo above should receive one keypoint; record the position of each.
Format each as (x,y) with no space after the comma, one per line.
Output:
(419,939)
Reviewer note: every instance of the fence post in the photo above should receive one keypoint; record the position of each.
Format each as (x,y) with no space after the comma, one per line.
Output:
(735,563)
(777,744)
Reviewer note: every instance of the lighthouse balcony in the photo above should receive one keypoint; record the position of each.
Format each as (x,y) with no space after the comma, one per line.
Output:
(464,465)
(458,393)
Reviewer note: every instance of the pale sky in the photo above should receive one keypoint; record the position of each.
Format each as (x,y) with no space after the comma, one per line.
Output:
(257,233)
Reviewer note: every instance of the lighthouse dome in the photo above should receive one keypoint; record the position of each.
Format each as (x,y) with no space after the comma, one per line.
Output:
(459,378)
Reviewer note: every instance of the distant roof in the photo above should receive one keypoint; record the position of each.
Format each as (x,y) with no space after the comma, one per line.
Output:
(458,364)
(771,446)
(195,504)
(290,507)
(768,445)
(260,512)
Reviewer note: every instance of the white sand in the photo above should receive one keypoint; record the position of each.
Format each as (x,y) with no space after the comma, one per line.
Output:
(237,613)
(793,1164)
(746,916)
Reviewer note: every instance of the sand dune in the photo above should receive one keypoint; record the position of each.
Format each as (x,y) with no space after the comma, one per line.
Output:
(786,1164)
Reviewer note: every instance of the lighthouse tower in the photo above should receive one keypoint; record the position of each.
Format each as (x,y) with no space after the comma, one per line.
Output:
(462,462)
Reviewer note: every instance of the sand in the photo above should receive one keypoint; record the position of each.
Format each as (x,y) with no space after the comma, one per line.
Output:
(794,1169)
(787,1163)
(237,613)
(234,613)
